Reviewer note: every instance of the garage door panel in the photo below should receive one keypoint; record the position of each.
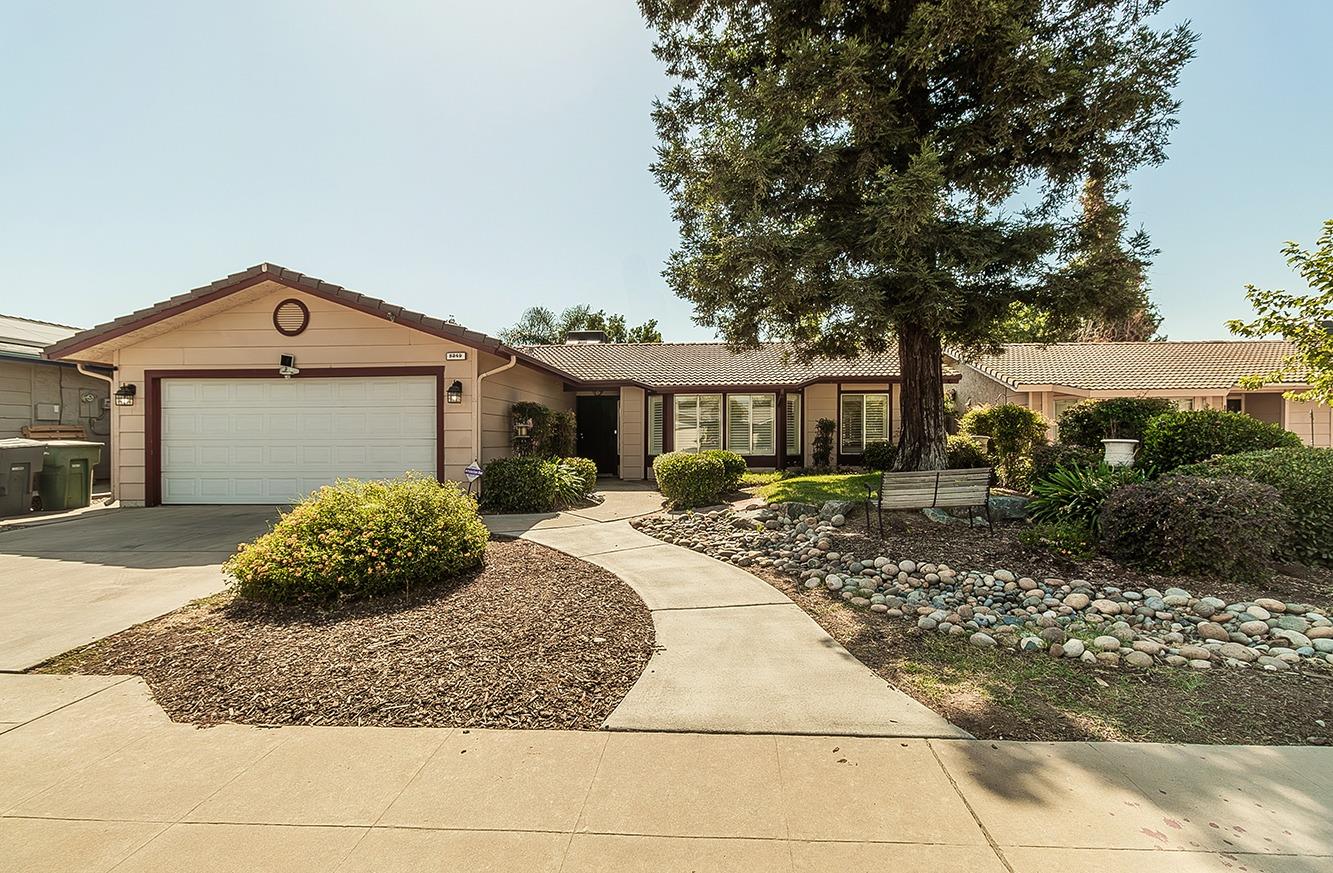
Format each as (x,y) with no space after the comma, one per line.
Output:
(271,440)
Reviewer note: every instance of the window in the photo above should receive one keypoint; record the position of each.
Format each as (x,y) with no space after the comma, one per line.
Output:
(865,419)
(698,422)
(1235,404)
(793,424)
(655,424)
(1063,403)
(1184,404)
(752,424)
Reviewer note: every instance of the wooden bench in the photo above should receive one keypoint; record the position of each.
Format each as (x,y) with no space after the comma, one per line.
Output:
(931,489)
(54,432)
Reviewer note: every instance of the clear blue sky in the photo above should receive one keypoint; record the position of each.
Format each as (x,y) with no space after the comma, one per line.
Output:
(472,161)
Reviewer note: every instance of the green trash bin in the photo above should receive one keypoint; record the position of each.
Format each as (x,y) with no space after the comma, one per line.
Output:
(67,475)
(20,464)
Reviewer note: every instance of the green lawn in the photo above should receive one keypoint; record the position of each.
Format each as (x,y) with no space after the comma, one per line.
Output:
(817,489)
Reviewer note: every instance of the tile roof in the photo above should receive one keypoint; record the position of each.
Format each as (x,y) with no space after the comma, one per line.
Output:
(1204,364)
(661,365)
(28,336)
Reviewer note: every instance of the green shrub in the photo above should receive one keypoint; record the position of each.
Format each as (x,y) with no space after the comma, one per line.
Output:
(1046,459)
(360,539)
(1074,495)
(1180,438)
(965,453)
(691,479)
(1088,422)
(879,455)
(821,447)
(519,484)
(1067,540)
(1304,479)
(587,470)
(733,463)
(1014,432)
(563,439)
(1187,524)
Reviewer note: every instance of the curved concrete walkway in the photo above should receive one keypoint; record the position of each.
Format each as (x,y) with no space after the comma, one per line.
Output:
(735,655)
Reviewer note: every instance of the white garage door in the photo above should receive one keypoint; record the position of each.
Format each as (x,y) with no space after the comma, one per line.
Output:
(276,440)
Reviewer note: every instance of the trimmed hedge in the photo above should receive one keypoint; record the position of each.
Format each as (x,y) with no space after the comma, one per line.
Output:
(1047,459)
(519,484)
(964,453)
(879,455)
(733,463)
(1180,438)
(1088,422)
(358,539)
(1187,524)
(692,479)
(1304,479)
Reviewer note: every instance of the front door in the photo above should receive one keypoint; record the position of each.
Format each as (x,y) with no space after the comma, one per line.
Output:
(597,423)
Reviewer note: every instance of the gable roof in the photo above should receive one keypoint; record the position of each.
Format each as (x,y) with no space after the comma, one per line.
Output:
(1125,366)
(266,272)
(673,365)
(26,337)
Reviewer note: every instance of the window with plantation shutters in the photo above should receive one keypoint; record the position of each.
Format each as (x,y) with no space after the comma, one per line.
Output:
(864,419)
(752,424)
(697,422)
(655,425)
(793,424)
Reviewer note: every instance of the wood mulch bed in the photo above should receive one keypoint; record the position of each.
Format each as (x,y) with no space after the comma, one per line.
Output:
(535,639)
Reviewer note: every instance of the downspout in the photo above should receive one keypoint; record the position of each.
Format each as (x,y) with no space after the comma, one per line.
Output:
(476,420)
(111,386)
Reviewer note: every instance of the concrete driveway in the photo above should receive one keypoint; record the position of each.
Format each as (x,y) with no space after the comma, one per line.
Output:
(68,583)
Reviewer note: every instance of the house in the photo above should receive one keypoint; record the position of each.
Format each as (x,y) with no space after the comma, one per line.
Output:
(264,385)
(1194,374)
(37,391)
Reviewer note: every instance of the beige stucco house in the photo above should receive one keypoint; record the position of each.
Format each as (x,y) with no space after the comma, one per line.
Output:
(264,385)
(1194,374)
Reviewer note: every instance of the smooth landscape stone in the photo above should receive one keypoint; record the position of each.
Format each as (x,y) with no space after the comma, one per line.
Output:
(1138,659)
(982,639)
(1212,631)
(1073,648)
(1107,643)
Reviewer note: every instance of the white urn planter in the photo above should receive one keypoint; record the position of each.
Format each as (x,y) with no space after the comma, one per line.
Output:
(1119,453)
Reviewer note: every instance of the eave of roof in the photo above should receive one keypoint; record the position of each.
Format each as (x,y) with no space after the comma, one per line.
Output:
(266,272)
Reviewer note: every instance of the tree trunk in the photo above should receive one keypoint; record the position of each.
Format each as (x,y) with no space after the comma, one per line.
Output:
(921,443)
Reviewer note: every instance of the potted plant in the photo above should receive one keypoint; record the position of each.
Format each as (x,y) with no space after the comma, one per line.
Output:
(1118,452)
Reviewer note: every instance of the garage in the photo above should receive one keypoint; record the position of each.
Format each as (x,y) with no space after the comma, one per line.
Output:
(273,440)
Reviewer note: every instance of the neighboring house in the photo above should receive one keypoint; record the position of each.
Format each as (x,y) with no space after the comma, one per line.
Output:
(1193,374)
(379,390)
(36,391)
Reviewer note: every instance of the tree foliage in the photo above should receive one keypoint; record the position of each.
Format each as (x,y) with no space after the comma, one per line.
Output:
(850,174)
(541,326)
(1304,320)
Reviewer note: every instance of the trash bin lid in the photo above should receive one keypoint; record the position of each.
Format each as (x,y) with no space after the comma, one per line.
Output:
(66,443)
(22,443)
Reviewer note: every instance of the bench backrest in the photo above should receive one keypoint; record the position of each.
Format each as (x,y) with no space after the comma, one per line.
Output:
(935,488)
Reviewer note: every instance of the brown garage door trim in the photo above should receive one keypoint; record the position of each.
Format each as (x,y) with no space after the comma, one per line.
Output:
(153,408)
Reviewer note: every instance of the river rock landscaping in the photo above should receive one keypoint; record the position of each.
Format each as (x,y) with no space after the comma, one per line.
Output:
(533,639)
(1000,607)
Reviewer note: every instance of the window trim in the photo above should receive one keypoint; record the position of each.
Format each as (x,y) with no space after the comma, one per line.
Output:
(675,421)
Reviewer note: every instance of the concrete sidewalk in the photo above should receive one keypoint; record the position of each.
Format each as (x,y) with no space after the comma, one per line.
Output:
(735,655)
(96,779)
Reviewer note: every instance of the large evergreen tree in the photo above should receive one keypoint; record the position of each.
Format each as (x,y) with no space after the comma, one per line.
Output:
(540,326)
(851,173)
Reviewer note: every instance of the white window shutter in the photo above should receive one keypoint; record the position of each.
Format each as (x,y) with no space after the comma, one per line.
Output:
(853,434)
(762,424)
(793,424)
(710,421)
(686,427)
(655,425)
(877,417)
(738,423)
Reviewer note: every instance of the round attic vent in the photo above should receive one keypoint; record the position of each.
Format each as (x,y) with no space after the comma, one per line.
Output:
(291,317)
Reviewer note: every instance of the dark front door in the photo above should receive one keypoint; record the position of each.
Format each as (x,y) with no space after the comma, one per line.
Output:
(596,417)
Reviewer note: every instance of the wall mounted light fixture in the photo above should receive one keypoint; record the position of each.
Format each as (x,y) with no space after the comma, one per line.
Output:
(454,393)
(125,394)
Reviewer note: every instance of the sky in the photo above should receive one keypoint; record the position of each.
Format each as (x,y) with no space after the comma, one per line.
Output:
(471,160)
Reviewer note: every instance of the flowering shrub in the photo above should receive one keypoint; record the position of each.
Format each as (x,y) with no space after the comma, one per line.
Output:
(362,539)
